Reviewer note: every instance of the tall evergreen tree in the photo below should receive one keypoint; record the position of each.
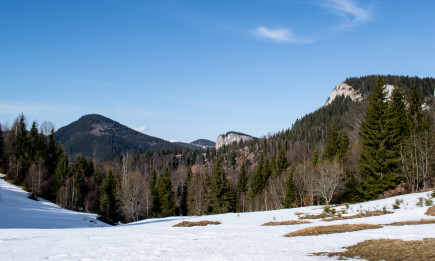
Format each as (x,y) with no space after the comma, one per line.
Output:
(242,185)
(166,193)
(343,145)
(397,128)
(155,199)
(21,151)
(183,201)
(109,203)
(260,177)
(220,195)
(61,172)
(331,143)
(374,162)
(418,117)
(290,190)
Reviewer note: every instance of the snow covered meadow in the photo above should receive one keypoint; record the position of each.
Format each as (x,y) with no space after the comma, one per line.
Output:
(36,230)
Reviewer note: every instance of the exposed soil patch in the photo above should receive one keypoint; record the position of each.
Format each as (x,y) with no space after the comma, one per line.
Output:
(360,215)
(322,215)
(287,222)
(197,223)
(333,229)
(389,249)
(413,222)
(430,211)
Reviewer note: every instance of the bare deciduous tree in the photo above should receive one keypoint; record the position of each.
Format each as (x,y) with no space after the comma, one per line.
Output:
(329,179)
(416,158)
(134,194)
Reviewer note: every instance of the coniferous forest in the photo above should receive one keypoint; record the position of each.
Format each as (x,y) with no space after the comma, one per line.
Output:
(344,152)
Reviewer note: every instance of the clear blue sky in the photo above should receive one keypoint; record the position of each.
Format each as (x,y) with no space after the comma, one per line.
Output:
(184,70)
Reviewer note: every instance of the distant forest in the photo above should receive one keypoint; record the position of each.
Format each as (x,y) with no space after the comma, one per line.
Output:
(344,152)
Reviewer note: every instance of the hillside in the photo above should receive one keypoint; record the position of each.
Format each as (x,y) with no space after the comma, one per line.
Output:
(96,136)
(240,236)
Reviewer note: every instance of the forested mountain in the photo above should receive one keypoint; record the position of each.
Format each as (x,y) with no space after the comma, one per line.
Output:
(97,137)
(346,151)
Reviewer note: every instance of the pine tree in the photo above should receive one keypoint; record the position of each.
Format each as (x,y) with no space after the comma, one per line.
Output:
(373,166)
(220,195)
(419,119)
(21,152)
(260,176)
(166,193)
(109,204)
(282,161)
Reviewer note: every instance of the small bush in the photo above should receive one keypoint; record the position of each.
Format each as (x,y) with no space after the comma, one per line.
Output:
(428,202)
(420,202)
(397,203)
(32,196)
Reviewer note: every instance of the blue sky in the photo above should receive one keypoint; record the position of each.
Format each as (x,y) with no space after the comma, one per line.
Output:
(183,70)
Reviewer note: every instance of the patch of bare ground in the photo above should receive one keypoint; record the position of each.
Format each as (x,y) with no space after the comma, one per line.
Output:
(287,222)
(389,249)
(321,215)
(413,222)
(332,229)
(430,211)
(197,223)
(360,215)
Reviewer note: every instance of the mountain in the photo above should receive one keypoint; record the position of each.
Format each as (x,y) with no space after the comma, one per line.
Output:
(231,137)
(96,136)
(197,144)
(204,143)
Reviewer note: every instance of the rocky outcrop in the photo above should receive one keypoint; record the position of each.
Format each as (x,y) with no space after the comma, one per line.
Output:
(345,90)
(230,138)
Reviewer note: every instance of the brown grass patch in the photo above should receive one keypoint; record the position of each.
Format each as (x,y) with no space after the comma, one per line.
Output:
(287,222)
(413,222)
(361,215)
(333,229)
(430,211)
(389,249)
(322,215)
(197,223)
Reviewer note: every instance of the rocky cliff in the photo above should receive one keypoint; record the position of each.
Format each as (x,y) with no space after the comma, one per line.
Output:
(345,90)
(231,137)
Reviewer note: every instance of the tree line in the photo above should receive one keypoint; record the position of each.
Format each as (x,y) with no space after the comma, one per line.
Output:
(386,149)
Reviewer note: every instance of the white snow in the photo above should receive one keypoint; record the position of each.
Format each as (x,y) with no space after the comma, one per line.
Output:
(32,230)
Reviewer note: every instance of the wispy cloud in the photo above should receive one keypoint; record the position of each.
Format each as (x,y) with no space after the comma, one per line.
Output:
(352,13)
(278,35)
(141,128)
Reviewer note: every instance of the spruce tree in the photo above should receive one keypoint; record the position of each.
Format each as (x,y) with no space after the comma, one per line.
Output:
(260,177)
(242,185)
(331,143)
(166,193)
(109,203)
(290,189)
(373,165)
(183,201)
(220,196)
(343,145)
(155,199)
(397,128)
(61,172)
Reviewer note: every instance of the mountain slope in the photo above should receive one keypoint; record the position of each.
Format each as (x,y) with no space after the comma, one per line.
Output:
(18,211)
(98,137)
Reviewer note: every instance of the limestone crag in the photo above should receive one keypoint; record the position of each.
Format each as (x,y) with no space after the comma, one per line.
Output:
(231,137)
(345,90)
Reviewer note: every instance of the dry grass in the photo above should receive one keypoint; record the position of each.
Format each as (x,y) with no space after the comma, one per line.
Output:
(197,223)
(430,211)
(287,222)
(413,222)
(361,215)
(333,229)
(322,215)
(390,249)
